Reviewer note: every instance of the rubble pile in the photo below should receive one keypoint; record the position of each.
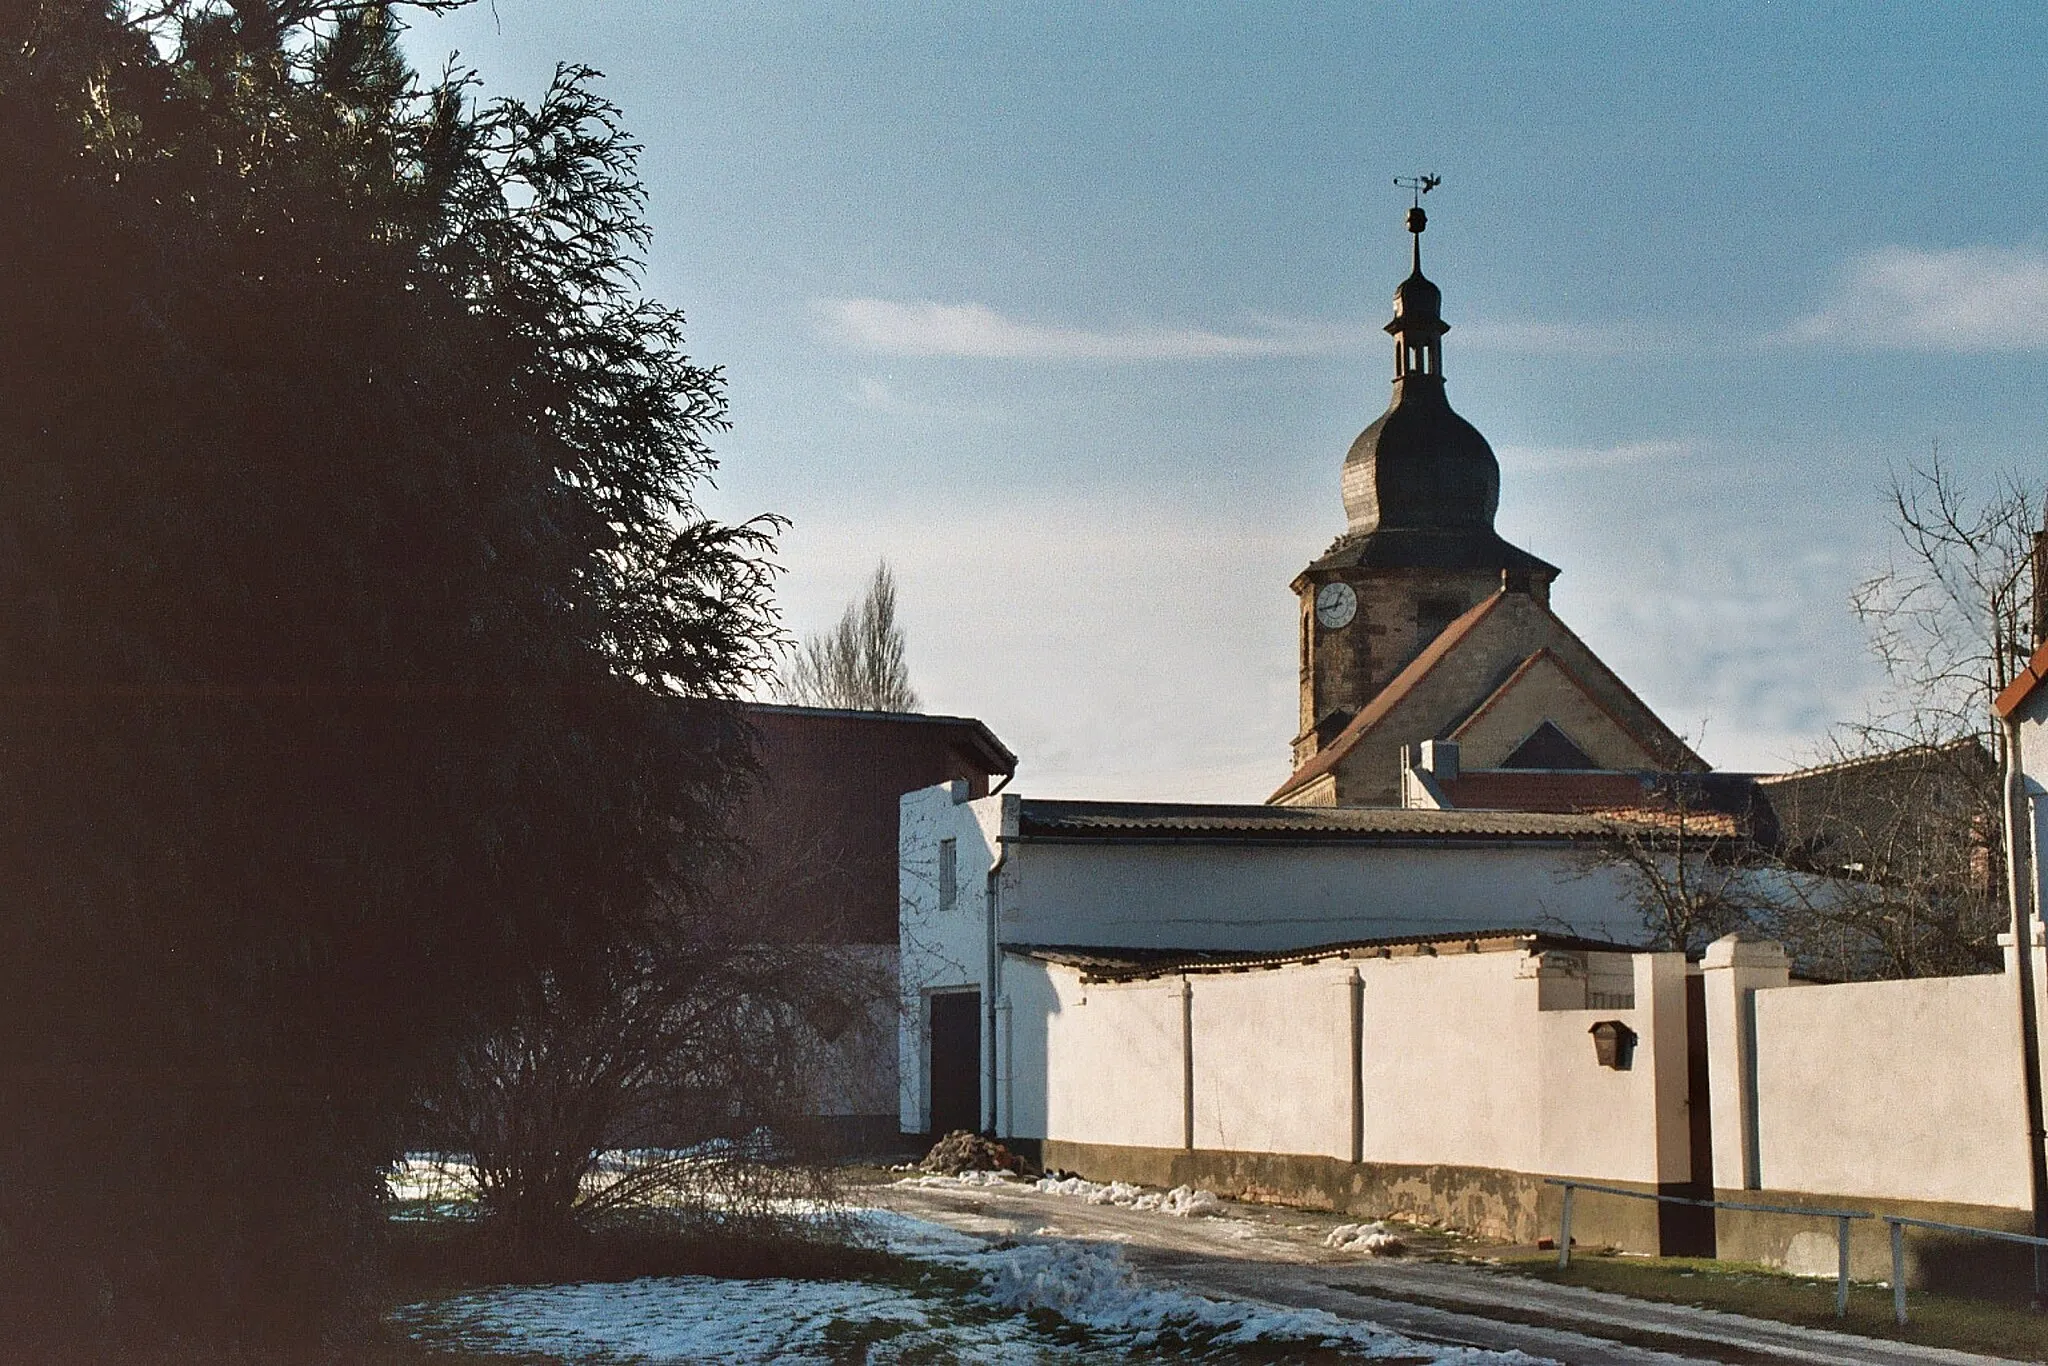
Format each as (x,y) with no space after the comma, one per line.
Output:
(962,1151)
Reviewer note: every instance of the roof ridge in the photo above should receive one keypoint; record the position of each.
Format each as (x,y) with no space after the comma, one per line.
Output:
(1385,700)
(1866,760)
(1626,691)
(1578,681)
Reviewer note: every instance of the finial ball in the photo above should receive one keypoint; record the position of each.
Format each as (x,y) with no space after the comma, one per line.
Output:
(1417,219)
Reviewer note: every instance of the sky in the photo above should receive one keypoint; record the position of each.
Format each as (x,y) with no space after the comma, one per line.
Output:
(1071,311)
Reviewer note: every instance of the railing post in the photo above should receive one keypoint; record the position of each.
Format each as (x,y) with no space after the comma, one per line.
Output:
(1898,1271)
(1841,1268)
(1564,1231)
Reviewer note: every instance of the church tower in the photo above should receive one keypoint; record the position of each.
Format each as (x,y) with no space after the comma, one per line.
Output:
(1433,671)
(1420,490)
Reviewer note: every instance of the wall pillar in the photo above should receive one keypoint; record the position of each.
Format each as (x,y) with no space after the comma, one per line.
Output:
(1734,971)
(1660,994)
(1186,994)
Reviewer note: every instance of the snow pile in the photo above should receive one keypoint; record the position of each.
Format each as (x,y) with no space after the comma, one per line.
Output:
(1091,1286)
(1375,1239)
(969,1178)
(1183,1201)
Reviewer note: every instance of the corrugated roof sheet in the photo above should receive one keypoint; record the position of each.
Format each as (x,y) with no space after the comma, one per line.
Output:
(1171,820)
(1113,964)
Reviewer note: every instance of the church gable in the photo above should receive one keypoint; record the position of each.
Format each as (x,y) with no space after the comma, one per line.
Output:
(1489,681)
(1544,716)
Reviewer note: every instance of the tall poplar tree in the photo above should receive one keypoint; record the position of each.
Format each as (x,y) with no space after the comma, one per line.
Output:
(349,570)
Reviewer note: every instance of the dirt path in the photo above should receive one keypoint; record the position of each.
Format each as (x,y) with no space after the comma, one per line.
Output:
(1260,1252)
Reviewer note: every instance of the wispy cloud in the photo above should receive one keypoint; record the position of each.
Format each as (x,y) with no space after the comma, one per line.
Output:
(1561,459)
(887,327)
(1956,299)
(926,328)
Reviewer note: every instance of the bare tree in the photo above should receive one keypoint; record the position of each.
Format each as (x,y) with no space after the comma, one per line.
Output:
(1689,866)
(859,663)
(1950,617)
(1906,840)
(677,1077)
(1905,815)
(1900,822)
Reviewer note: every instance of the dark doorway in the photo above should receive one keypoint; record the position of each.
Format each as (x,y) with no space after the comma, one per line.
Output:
(1688,1230)
(956,1062)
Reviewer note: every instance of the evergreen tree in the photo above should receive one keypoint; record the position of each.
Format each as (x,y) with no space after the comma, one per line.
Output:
(349,570)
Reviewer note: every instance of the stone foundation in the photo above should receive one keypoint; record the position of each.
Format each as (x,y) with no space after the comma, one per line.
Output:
(1514,1206)
(1934,1260)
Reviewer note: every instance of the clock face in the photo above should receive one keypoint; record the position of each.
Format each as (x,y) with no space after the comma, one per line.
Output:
(1336,605)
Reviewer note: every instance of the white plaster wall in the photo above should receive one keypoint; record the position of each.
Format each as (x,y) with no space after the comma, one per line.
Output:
(1459,1065)
(1274,896)
(1112,1070)
(1606,1123)
(939,950)
(1449,1061)
(1902,1090)
(1273,1060)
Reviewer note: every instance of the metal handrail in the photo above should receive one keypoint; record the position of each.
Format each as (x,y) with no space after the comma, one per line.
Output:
(1899,1222)
(1842,1218)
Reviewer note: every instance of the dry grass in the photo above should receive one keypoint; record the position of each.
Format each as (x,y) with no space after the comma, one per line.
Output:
(1937,1320)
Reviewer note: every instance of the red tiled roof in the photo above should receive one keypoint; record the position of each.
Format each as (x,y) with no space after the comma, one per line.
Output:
(1505,789)
(2021,688)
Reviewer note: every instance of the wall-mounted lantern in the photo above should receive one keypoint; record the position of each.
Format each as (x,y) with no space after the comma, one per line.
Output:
(1614,1043)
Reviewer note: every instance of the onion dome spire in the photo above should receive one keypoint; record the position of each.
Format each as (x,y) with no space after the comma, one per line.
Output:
(1421,485)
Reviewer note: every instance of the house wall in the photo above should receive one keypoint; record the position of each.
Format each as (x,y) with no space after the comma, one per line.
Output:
(1896,1067)
(1873,1090)
(2032,720)
(851,1077)
(1278,896)
(942,942)
(1273,1066)
(1253,896)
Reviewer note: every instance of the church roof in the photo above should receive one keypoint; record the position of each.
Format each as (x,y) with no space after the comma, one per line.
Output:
(1421,485)
(1429,548)
(1447,642)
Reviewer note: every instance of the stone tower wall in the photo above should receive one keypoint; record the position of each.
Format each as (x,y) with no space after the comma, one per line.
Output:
(1399,612)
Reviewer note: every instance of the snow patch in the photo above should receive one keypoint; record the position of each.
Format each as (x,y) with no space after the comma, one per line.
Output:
(1182,1201)
(967,1179)
(667,1321)
(1093,1286)
(672,1320)
(1375,1239)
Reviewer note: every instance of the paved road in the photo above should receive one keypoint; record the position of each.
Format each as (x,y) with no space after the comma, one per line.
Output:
(1276,1255)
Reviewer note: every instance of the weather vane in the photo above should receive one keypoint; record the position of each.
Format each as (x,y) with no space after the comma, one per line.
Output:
(1420,184)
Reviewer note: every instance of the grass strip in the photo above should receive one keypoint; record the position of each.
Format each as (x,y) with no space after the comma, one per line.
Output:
(1936,1319)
